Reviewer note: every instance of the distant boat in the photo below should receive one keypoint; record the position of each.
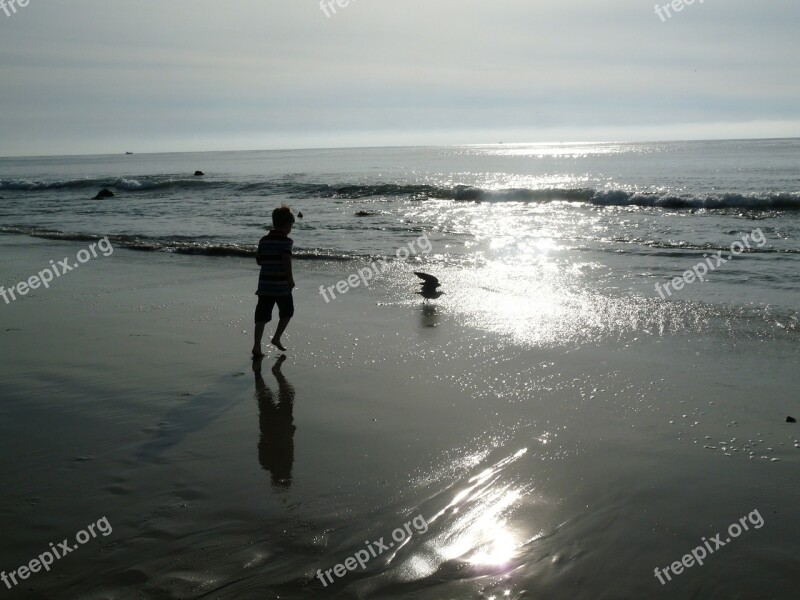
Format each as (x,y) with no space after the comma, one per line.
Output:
(129,153)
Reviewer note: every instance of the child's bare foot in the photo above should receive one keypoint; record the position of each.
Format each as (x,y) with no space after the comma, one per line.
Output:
(257,353)
(277,343)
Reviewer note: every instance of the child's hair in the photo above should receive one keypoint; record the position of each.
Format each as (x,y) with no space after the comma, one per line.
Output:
(282,216)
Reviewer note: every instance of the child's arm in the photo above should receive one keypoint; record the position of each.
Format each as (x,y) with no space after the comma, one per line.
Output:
(286,259)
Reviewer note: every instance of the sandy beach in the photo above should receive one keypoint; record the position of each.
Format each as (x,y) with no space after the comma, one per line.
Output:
(565,470)
(539,263)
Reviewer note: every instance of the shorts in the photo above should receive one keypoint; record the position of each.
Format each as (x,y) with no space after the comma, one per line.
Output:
(265,304)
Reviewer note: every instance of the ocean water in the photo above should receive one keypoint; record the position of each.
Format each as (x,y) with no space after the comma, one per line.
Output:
(562,427)
(571,220)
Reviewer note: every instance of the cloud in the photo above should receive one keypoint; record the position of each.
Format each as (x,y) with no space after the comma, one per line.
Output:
(94,76)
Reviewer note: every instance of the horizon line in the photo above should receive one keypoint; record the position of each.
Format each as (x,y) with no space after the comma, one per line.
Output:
(400,146)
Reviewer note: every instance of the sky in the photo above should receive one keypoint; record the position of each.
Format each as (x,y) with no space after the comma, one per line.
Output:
(108,76)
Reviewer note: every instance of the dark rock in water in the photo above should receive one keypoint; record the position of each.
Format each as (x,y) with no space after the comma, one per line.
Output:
(299,215)
(104,193)
(366,213)
(791,420)
(198,173)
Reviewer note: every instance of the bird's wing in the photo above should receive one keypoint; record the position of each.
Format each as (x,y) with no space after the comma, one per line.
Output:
(428,279)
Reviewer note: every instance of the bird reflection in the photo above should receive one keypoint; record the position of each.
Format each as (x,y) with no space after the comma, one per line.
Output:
(276,421)
(428,316)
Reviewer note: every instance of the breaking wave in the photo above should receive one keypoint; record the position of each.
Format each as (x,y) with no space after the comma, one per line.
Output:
(170,245)
(129,187)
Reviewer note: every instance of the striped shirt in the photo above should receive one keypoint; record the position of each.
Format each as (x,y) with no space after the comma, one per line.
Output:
(274,279)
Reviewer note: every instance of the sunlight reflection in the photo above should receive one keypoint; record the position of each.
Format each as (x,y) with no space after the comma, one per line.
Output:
(473,529)
(572,150)
(479,532)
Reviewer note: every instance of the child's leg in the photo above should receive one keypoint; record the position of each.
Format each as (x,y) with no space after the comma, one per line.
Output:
(285,312)
(282,324)
(259,333)
(263,316)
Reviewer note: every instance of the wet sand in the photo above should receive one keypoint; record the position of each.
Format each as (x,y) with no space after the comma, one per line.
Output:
(563,470)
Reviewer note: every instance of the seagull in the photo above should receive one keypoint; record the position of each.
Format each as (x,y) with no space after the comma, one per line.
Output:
(429,285)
